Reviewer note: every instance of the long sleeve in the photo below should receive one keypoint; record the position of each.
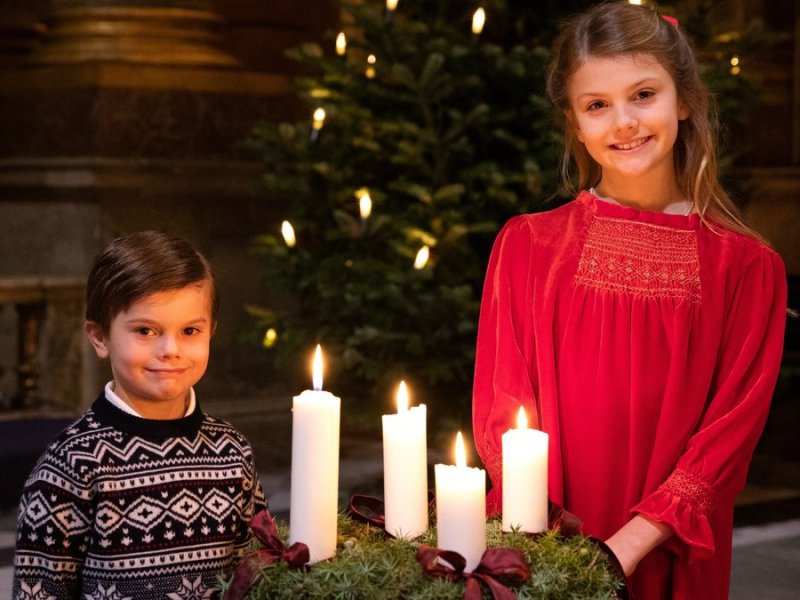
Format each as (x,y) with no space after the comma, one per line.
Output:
(713,467)
(55,515)
(503,378)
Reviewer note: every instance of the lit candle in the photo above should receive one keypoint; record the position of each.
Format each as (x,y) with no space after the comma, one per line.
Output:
(478,21)
(287,231)
(421,259)
(318,120)
(364,204)
(314,503)
(341,44)
(391,5)
(405,468)
(371,60)
(461,508)
(524,477)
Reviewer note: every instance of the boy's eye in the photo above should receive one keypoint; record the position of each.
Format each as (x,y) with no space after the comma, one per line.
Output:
(144,331)
(191,331)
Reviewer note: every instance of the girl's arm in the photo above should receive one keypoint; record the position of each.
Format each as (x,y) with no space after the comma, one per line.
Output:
(636,539)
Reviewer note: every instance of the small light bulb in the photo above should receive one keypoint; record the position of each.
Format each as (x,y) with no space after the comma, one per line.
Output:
(341,44)
(288,234)
(365,204)
(423,254)
(478,21)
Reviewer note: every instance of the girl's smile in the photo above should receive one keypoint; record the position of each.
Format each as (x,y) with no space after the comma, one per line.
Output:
(625,110)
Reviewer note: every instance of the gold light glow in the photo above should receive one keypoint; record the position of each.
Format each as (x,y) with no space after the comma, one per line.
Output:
(341,44)
(270,337)
(288,234)
(637,2)
(522,419)
(402,397)
(371,60)
(461,453)
(422,257)
(364,204)
(391,4)
(319,118)
(478,21)
(316,369)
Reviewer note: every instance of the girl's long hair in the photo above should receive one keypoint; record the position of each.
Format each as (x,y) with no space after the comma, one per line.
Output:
(619,28)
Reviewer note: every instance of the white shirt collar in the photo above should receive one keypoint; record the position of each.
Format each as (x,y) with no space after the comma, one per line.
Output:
(681,207)
(112,397)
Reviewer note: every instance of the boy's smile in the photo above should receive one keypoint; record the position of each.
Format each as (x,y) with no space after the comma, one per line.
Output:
(158,349)
(625,110)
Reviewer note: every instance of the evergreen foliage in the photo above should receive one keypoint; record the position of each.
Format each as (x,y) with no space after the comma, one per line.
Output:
(451,136)
(369,566)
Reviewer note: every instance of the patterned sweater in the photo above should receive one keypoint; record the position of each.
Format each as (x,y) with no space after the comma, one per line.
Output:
(124,508)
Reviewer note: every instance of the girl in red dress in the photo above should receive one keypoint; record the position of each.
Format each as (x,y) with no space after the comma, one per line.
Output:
(642,323)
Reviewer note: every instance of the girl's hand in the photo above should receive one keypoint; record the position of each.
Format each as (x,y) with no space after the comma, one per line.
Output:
(635,540)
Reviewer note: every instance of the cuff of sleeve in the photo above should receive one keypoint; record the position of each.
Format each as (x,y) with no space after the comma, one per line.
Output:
(683,502)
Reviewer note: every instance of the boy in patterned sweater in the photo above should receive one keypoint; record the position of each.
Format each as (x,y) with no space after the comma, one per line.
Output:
(145,497)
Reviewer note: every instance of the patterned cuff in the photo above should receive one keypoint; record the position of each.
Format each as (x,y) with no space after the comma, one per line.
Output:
(691,488)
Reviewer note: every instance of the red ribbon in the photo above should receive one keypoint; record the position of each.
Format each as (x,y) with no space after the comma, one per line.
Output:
(508,563)
(671,20)
(568,524)
(371,510)
(263,527)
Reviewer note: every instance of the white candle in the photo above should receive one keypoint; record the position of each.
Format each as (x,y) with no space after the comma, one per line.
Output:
(461,508)
(405,468)
(524,477)
(314,504)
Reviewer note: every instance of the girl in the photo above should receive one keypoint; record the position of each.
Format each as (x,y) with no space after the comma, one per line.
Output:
(642,323)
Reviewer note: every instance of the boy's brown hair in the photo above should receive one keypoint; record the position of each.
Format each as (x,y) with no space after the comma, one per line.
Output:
(139,264)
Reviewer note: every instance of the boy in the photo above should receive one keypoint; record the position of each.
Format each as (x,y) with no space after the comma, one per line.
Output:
(145,496)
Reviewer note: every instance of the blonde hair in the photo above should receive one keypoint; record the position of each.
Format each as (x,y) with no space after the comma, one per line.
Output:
(619,28)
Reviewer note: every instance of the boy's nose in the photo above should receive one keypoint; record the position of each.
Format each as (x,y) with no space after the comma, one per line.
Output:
(168,346)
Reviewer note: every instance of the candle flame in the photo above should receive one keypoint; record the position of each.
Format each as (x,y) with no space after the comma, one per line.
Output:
(391,4)
(478,21)
(341,44)
(316,369)
(522,419)
(423,254)
(461,453)
(319,118)
(365,204)
(402,397)
(288,234)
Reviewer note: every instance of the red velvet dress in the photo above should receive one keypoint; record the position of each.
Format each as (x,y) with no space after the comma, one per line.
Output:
(647,345)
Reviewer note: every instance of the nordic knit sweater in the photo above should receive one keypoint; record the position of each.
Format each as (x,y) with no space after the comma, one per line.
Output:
(120,507)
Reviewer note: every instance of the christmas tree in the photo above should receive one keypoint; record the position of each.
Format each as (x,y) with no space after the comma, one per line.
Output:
(427,129)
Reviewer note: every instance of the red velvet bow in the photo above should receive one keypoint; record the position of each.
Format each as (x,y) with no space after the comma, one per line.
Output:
(263,527)
(566,522)
(495,562)
(372,510)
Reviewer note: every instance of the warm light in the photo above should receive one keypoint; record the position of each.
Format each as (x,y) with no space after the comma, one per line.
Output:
(371,60)
(736,70)
(270,337)
(364,204)
(522,419)
(391,4)
(316,369)
(461,453)
(402,397)
(319,118)
(341,44)
(423,255)
(288,234)
(637,2)
(478,21)
(735,61)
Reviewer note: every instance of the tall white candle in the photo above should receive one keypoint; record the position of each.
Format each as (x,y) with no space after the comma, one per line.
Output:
(405,468)
(524,477)
(461,508)
(314,504)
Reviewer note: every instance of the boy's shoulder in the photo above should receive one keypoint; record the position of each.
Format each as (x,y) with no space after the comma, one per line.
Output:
(218,427)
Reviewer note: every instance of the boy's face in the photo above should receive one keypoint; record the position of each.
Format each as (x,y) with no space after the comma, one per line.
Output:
(158,349)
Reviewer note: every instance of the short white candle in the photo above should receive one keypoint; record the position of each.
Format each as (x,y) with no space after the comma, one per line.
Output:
(314,504)
(524,477)
(461,508)
(405,468)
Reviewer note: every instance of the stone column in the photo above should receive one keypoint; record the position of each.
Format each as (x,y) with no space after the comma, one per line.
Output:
(172,32)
